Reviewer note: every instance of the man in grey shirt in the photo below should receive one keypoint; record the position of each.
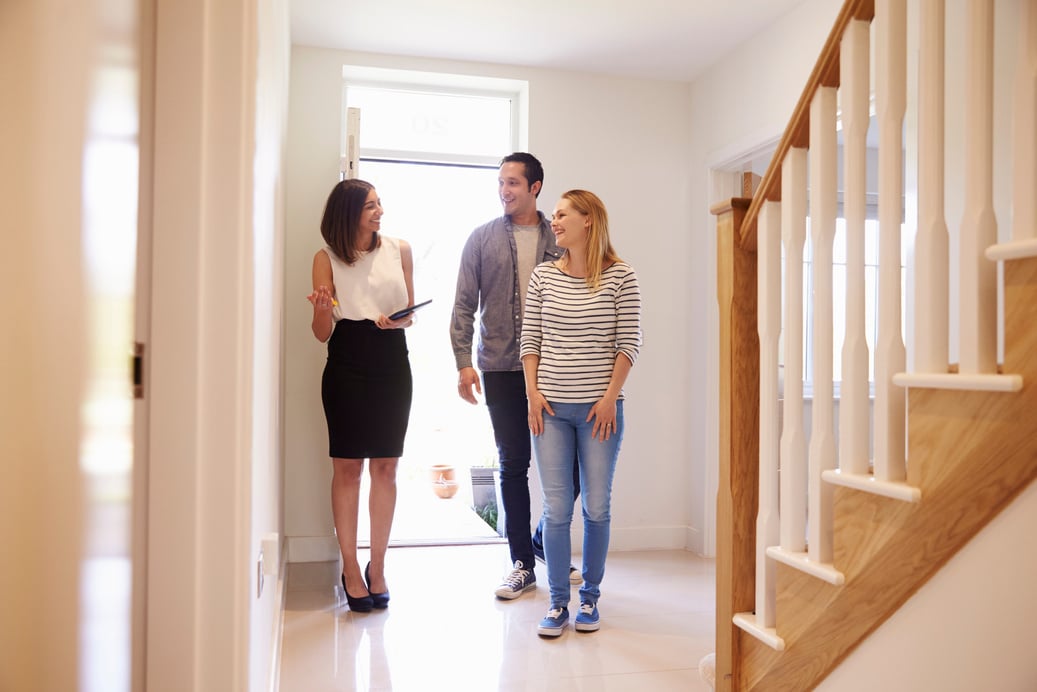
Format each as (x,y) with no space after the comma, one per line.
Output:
(496,263)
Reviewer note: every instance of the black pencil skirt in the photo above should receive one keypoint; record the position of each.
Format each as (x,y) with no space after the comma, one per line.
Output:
(366,390)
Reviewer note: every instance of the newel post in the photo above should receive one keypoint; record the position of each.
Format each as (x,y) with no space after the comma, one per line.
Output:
(738,483)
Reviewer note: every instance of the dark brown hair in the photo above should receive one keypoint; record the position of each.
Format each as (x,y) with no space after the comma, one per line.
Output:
(534,169)
(341,219)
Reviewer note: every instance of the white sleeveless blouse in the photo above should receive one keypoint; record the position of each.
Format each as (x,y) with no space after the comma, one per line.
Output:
(373,286)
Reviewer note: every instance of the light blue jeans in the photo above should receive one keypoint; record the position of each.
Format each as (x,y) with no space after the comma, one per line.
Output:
(555,449)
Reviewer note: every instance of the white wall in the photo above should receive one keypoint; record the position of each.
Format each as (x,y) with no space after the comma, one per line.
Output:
(625,139)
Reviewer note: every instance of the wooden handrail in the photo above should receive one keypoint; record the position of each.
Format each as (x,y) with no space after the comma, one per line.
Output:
(825,73)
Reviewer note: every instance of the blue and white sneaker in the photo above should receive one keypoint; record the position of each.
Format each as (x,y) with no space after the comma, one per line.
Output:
(554,622)
(587,618)
(520,580)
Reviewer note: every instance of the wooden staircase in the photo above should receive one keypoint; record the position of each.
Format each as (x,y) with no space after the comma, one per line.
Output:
(971,453)
(971,449)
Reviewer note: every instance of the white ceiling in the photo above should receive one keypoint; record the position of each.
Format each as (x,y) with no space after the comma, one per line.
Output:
(654,39)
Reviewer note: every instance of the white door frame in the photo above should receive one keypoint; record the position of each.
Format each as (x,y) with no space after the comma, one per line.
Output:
(200,352)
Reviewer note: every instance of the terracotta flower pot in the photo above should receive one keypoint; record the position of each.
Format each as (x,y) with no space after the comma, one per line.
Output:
(444,484)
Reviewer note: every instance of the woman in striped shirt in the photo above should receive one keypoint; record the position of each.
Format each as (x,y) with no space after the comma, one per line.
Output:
(580,336)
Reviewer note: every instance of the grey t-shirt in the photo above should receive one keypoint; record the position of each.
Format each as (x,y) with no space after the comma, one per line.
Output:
(526,244)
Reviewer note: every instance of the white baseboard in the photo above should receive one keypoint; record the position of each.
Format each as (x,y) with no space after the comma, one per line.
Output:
(278,634)
(695,541)
(325,548)
(638,538)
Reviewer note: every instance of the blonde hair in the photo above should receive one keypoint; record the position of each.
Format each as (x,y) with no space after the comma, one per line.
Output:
(599,248)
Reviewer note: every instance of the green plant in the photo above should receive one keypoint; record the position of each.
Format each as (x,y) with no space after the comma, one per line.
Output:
(488,513)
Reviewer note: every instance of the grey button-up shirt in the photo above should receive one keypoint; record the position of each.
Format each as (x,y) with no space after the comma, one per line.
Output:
(487,282)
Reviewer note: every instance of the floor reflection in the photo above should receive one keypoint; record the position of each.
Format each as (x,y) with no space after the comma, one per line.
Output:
(445,630)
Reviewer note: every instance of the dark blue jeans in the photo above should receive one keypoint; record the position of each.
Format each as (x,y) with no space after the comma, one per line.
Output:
(509,413)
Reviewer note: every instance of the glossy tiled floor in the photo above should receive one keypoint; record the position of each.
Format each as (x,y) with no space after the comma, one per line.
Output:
(444,630)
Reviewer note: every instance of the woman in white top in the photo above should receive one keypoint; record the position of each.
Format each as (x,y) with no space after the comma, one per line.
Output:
(581,334)
(359,278)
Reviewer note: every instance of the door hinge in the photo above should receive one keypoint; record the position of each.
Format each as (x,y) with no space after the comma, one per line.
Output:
(137,370)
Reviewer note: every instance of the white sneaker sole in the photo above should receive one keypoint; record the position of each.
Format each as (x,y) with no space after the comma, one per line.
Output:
(587,626)
(574,577)
(550,631)
(508,594)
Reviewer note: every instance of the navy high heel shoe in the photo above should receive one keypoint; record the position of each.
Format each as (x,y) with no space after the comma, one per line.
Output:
(378,600)
(358,604)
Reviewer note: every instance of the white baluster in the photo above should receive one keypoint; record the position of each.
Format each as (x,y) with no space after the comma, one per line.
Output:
(854,411)
(890,354)
(768,307)
(823,198)
(1024,148)
(793,439)
(931,260)
(978,334)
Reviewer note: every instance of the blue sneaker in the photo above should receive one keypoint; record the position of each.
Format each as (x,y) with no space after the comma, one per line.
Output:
(587,618)
(520,580)
(554,622)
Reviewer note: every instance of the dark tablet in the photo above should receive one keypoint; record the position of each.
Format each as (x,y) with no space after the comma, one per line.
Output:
(406,311)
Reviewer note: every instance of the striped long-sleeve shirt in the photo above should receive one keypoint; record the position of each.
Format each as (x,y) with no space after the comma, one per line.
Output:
(578,334)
